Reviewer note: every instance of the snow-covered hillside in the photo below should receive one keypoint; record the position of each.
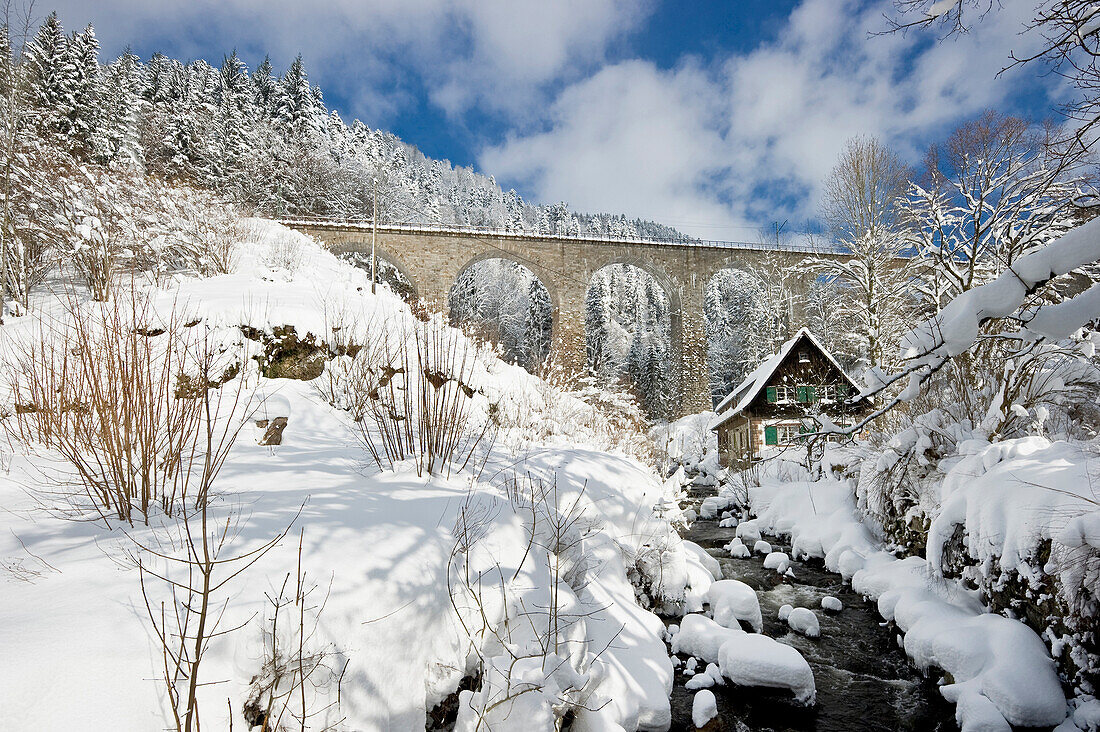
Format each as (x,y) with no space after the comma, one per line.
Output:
(523,572)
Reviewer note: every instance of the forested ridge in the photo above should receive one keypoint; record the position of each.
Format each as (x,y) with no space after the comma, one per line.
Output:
(257,137)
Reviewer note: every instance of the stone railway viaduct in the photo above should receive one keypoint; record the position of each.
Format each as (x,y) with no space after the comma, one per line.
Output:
(432,259)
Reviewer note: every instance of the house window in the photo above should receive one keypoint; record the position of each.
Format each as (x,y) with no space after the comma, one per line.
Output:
(782,434)
(781,394)
(787,433)
(805,394)
(803,356)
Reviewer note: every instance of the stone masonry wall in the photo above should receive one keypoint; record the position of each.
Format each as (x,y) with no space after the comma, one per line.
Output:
(432,261)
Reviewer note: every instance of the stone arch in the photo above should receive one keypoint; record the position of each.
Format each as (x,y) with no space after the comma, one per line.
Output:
(730,312)
(672,289)
(670,286)
(543,275)
(362,249)
(674,296)
(544,279)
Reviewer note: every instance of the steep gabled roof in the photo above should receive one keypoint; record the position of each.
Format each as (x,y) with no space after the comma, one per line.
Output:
(743,394)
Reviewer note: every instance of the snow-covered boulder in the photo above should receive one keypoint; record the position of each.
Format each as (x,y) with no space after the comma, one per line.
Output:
(709,508)
(737,549)
(779,561)
(831,604)
(709,563)
(699,681)
(785,612)
(701,571)
(803,620)
(757,660)
(732,601)
(704,707)
(701,637)
(762,547)
(748,531)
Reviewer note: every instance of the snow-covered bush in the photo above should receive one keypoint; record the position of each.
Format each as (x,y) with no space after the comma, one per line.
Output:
(560,404)
(421,397)
(688,443)
(116,220)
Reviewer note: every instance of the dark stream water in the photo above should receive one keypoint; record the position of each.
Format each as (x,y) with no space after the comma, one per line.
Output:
(864,681)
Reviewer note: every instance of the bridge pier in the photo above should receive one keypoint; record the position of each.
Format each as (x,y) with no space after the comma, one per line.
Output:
(694,374)
(569,351)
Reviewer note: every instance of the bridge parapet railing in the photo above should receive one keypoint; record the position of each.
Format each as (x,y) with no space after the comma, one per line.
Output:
(412,227)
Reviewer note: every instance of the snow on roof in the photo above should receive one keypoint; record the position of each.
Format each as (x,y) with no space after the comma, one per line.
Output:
(746,391)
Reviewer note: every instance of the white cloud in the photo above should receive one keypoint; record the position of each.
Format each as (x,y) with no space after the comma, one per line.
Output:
(493,53)
(750,139)
(630,138)
(714,147)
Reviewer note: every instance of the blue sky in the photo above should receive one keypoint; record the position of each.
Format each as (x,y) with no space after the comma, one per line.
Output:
(715,117)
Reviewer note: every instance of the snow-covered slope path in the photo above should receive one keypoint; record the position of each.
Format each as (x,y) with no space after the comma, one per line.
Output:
(1000,671)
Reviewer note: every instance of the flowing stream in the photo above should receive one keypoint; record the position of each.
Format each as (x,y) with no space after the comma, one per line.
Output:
(864,681)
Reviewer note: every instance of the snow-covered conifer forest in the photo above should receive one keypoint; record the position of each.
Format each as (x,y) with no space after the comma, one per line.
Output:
(242,486)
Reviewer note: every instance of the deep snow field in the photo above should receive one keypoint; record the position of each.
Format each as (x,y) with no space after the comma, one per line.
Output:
(77,646)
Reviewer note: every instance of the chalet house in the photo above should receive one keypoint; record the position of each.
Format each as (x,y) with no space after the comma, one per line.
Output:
(772,405)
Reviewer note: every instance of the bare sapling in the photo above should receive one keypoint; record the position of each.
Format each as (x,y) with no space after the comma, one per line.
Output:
(347,380)
(194,557)
(105,389)
(194,561)
(295,671)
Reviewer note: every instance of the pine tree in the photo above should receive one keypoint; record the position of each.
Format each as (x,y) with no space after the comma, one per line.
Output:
(51,79)
(121,99)
(85,118)
(264,88)
(235,119)
(296,106)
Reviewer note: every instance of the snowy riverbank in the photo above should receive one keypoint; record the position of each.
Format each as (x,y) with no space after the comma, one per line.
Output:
(996,670)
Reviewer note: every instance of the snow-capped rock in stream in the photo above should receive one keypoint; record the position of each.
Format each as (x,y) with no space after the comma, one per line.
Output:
(757,660)
(732,601)
(802,620)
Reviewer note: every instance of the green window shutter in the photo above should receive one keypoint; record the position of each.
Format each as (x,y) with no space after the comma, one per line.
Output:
(771,435)
(800,394)
(772,397)
(842,390)
(803,429)
(812,394)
